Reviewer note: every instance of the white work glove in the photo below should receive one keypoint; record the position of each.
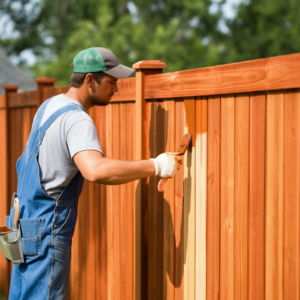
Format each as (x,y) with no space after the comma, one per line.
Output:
(167,164)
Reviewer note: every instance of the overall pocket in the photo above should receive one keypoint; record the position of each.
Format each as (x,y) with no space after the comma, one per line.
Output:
(31,233)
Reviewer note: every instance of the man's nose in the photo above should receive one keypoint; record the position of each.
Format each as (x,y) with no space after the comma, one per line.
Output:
(115,89)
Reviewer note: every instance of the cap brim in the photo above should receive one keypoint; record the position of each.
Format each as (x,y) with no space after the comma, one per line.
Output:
(120,71)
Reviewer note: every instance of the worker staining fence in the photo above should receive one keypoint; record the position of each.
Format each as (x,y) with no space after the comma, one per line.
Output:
(227,226)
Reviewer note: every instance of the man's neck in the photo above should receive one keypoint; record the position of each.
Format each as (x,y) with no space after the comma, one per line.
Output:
(80,96)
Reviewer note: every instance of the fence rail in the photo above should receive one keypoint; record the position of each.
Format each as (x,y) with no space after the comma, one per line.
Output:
(227,226)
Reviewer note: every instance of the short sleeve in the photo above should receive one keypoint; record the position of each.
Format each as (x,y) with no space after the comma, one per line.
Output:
(82,135)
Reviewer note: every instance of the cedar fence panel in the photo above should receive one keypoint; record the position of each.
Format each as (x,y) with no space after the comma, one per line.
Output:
(227,226)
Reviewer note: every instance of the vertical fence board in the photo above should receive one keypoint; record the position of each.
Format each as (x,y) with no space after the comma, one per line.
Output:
(274,195)
(189,202)
(116,200)
(241,197)
(178,217)
(3,199)
(227,198)
(291,195)
(125,271)
(169,206)
(151,209)
(159,198)
(129,213)
(213,198)
(102,292)
(201,194)
(257,197)
(110,210)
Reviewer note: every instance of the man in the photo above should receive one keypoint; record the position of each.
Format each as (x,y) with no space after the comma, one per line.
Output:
(62,149)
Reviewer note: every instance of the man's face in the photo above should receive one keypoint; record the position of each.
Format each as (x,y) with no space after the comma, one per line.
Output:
(103,91)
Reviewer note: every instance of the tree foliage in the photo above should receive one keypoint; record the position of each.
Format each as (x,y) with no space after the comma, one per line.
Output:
(183,33)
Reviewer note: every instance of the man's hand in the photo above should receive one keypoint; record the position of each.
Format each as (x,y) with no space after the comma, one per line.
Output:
(167,164)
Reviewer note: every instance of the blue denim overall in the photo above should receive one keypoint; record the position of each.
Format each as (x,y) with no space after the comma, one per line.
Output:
(47,224)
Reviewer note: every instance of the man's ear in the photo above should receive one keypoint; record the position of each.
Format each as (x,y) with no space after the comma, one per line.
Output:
(89,79)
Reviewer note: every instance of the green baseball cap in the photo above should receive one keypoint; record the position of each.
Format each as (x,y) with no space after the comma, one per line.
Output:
(97,59)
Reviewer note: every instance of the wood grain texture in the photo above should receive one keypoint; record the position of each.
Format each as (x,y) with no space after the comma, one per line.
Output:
(227,222)
(189,202)
(179,200)
(102,293)
(213,198)
(241,196)
(257,197)
(116,199)
(126,91)
(274,196)
(291,208)
(266,74)
(138,190)
(201,197)
(24,99)
(169,207)
(124,233)
(4,272)
(129,217)
(110,210)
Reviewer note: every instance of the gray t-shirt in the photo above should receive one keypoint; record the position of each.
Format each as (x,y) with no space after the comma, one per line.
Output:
(69,134)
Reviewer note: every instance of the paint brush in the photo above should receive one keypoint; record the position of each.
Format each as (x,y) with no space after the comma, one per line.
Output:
(185,142)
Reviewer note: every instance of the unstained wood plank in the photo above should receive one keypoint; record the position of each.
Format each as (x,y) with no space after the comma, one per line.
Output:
(201,197)
(189,201)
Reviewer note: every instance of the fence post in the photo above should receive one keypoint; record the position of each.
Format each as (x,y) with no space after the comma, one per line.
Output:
(5,169)
(143,68)
(42,83)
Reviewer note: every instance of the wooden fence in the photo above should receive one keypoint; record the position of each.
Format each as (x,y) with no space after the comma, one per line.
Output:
(227,226)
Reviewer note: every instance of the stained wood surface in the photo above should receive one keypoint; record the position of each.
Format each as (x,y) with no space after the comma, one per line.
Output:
(227,220)
(266,74)
(141,244)
(25,99)
(179,203)
(169,207)
(241,196)
(274,186)
(213,198)
(291,205)
(257,197)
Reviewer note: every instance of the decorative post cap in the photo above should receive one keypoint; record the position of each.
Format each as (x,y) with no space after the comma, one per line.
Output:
(11,87)
(149,64)
(45,80)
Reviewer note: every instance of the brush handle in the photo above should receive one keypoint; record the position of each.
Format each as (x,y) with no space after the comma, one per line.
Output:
(17,212)
(161,184)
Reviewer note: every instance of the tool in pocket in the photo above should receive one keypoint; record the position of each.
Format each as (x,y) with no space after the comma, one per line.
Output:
(10,240)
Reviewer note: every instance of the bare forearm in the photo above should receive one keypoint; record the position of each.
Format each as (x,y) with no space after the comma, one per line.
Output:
(112,171)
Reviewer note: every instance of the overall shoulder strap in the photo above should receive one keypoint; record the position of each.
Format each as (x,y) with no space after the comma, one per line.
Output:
(39,115)
(54,116)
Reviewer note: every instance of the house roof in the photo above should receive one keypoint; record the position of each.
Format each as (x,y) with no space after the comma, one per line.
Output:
(10,74)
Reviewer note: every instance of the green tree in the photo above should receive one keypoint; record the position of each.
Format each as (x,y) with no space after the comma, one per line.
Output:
(171,33)
(262,28)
